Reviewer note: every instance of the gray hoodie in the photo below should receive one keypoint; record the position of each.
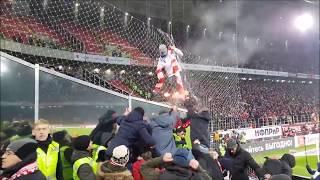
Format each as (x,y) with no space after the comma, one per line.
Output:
(162,132)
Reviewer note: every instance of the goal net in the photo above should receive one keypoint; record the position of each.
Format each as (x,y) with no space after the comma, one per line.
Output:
(96,42)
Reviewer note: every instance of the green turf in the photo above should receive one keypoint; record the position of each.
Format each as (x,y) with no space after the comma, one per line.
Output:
(300,168)
(76,131)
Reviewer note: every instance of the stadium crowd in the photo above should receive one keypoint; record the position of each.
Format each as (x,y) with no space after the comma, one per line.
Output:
(123,147)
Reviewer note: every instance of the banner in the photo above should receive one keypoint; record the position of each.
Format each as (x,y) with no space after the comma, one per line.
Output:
(270,145)
(299,129)
(257,133)
(100,59)
(306,140)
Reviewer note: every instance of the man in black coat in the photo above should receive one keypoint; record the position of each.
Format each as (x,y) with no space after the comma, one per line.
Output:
(208,162)
(283,165)
(105,129)
(241,161)
(19,161)
(199,126)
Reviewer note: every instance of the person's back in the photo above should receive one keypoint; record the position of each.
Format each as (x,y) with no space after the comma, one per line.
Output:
(103,132)
(199,127)
(181,166)
(162,132)
(273,166)
(84,167)
(131,130)
(116,169)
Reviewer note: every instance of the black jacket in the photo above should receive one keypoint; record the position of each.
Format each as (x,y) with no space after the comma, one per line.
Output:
(85,171)
(103,132)
(171,171)
(275,167)
(209,164)
(132,130)
(7,173)
(199,127)
(241,161)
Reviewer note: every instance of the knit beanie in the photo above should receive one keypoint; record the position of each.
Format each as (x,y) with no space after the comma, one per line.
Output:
(81,143)
(139,110)
(120,155)
(23,147)
(231,143)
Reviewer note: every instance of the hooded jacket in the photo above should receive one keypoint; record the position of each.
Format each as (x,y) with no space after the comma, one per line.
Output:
(131,130)
(199,127)
(162,132)
(85,171)
(107,171)
(103,132)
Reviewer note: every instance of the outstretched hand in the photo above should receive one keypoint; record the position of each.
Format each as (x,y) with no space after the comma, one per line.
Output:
(167,157)
(194,164)
(196,141)
(127,111)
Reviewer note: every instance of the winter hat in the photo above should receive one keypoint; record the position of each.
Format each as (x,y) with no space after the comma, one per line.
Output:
(139,110)
(24,128)
(182,157)
(120,155)
(288,158)
(60,135)
(23,147)
(232,143)
(81,143)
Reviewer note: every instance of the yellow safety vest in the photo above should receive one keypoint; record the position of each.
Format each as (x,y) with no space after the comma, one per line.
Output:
(222,149)
(82,161)
(96,150)
(47,163)
(67,166)
(178,139)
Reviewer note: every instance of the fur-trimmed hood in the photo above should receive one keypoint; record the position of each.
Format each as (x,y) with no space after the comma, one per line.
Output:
(108,171)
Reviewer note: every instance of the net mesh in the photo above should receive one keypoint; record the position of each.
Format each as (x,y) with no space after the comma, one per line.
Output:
(123,52)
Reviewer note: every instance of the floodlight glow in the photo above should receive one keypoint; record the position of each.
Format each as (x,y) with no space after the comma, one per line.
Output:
(3,68)
(108,71)
(126,14)
(96,70)
(77,4)
(303,22)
